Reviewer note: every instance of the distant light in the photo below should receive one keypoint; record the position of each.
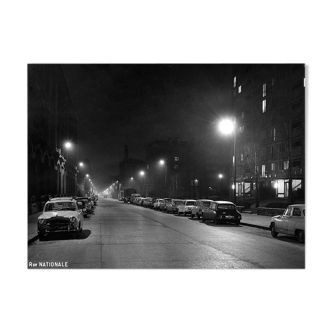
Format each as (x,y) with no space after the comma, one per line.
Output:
(233,186)
(68,145)
(87,175)
(131,178)
(142,173)
(81,164)
(220,176)
(162,162)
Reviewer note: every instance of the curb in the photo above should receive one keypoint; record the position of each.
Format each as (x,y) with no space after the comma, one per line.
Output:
(33,239)
(256,226)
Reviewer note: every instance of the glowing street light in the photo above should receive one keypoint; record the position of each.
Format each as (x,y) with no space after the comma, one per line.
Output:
(227,126)
(68,145)
(81,164)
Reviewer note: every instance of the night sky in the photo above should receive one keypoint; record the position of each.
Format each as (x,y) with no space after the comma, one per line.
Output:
(131,104)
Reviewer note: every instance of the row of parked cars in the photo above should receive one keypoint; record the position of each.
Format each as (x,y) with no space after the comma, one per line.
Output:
(65,214)
(291,222)
(205,209)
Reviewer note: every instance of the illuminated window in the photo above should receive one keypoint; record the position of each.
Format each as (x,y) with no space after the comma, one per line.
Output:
(264,90)
(241,157)
(286,164)
(264,106)
(273,166)
(240,88)
(234,82)
(263,170)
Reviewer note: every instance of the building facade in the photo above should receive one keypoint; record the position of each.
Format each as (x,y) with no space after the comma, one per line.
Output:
(269,104)
(52,169)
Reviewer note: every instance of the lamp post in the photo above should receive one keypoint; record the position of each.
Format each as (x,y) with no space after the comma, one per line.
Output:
(142,173)
(133,180)
(220,176)
(162,162)
(228,126)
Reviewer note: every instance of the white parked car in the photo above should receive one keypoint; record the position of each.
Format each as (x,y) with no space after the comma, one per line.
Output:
(292,222)
(201,204)
(157,203)
(60,215)
(186,207)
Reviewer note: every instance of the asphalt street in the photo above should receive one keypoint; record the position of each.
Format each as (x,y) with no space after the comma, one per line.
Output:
(124,236)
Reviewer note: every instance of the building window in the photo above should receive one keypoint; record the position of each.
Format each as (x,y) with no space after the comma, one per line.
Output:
(176,166)
(234,82)
(273,166)
(264,106)
(240,88)
(241,157)
(264,90)
(263,170)
(176,158)
(296,145)
(286,164)
(281,166)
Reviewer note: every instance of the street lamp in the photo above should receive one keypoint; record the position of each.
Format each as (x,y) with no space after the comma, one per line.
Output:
(68,145)
(162,162)
(220,176)
(228,126)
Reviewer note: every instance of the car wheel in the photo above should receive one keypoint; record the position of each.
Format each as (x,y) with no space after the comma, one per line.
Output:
(191,216)
(237,222)
(198,216)
(273,231)
(76,233)
(41,236)
(300,236)
(216,221)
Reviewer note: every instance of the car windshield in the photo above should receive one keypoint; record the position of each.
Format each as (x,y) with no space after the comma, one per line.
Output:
(226,207)
(178,202)
(288,211)
(190,203)
(59,206)
(206,204)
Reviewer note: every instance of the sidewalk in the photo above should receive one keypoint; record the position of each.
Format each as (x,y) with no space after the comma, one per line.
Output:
(32,227)
(252,220)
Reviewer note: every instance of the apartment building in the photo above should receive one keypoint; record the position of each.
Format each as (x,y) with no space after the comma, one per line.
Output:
(269,104)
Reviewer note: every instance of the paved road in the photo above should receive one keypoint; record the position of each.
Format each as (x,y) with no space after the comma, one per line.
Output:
(125,236)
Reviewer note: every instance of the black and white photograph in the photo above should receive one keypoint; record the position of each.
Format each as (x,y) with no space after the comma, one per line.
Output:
(166,166)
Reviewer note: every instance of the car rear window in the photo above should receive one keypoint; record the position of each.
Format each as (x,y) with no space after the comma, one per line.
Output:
(206,204)
(178,202)
(190,203)
(226,207)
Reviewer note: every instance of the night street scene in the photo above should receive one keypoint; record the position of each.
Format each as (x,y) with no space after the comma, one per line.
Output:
(166,166)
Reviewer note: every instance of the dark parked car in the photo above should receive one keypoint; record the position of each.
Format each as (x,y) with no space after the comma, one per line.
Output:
(222,211)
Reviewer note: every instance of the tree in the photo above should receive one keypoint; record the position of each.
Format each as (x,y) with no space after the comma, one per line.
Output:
(252,159)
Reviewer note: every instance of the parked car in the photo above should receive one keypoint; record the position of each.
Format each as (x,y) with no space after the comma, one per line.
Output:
(222,211)
(151,203)
(126,199)
(201,204)
(157,203)
(186,207)
(173,206)
(147,201)
(87,203)
(292,222)
(164,203)
(81,206)
(60,215)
